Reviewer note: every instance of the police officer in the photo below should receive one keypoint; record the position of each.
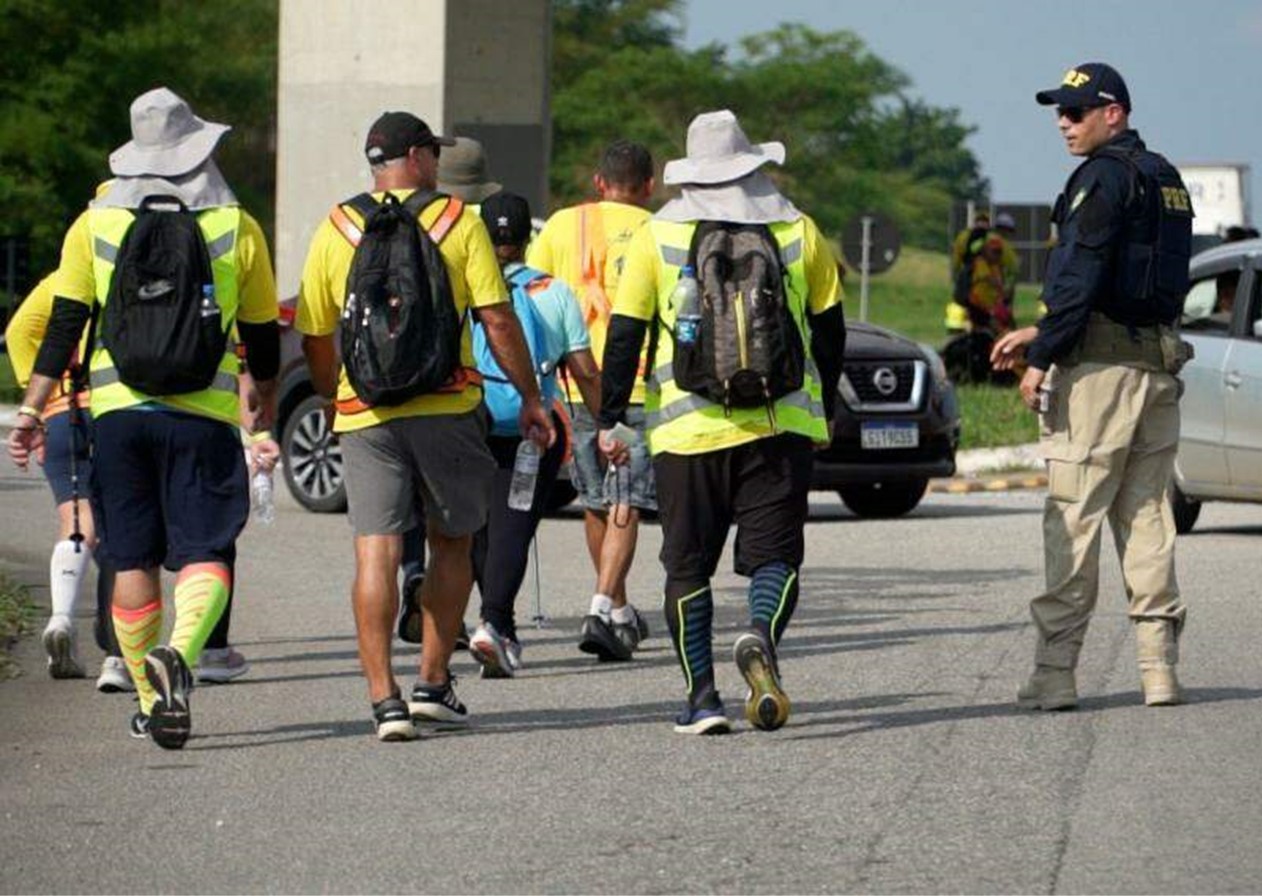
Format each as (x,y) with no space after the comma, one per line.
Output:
(1101,374)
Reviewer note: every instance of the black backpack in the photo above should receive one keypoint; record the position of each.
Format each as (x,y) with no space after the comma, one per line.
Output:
(748,350)
(400,332)
(161,324)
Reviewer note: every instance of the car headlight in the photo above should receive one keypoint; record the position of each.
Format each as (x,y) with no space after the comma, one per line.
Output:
(936,366)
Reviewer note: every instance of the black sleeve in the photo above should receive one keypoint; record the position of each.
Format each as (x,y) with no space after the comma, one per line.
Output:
(618,367)
(262,348)
(828,348)
(65,327)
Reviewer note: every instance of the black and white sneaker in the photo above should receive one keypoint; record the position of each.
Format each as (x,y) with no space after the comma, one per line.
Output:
(170,721)
(632,633)
(410,610)
(597,637)
(392,720)
(438,704)
(139,725)
(708,718)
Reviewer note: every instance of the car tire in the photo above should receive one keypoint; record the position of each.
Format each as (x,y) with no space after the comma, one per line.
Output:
(1185,509)
(313,459)
(884,500)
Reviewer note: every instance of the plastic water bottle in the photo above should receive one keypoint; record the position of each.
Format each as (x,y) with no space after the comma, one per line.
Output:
(521,490)
(686,299)
(262,505)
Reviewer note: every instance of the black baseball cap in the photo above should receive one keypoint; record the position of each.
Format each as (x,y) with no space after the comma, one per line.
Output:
(507,218)
(1090,84)
(394,133)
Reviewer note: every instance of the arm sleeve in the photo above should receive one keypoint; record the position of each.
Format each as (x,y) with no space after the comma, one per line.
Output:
(482,268)
(618,367)
(262,348)
(1085,264)
(65,326)
(828,348)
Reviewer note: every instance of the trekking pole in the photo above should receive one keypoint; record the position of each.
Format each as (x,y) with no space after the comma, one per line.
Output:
(539,619)
(76,419)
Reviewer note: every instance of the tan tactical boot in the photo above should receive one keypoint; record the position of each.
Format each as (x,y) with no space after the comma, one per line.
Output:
(1049,688)
(1158,655)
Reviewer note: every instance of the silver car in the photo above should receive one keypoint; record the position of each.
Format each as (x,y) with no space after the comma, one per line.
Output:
(1220,443)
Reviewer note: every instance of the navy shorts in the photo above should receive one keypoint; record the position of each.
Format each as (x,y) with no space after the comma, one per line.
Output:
(61,442)
(169,489)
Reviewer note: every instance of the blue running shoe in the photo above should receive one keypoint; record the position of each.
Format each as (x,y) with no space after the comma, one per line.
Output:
(708,719)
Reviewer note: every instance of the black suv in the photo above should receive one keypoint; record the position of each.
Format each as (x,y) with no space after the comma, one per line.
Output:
(895,427)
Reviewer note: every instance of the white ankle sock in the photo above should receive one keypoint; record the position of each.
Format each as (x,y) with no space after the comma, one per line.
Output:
(623,615)
(602,605)
(66,571)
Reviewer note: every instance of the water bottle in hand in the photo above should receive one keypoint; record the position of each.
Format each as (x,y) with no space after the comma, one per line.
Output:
(521,490)
(262,504)
(686,299)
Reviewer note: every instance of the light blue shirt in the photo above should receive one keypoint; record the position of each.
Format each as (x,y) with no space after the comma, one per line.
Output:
(560,314)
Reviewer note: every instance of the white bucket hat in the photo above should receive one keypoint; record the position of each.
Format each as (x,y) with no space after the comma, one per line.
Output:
(719,151)
(168,140)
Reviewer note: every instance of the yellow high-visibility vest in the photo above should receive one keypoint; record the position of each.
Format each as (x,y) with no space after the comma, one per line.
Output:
(219,227)
(683,422)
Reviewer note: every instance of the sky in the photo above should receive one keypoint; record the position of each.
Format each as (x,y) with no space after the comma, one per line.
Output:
(1193,68)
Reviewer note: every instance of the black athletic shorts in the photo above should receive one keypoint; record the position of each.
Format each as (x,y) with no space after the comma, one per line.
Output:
(762,486)
(168,488)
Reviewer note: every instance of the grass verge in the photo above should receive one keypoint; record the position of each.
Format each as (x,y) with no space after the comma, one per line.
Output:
(993,416)
(10,392)
(17,617)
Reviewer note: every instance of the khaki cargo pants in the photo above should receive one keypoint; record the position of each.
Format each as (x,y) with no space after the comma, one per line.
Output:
(1110,438)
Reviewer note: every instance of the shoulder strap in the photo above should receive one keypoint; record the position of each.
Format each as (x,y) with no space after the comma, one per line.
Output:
(364,205)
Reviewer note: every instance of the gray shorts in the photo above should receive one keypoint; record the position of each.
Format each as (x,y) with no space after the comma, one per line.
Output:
(440,462)
(590,467)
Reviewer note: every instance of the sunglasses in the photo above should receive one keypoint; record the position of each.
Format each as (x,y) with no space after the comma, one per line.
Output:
(1076,114)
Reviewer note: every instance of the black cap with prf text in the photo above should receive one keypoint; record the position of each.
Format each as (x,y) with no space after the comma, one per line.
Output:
(1090,84)
(507,218)
(394,133)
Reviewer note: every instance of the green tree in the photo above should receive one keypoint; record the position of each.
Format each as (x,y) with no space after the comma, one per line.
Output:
(70,71)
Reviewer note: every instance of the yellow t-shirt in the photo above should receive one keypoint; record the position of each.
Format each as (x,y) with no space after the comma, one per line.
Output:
(476,282)
(556,251)
(26,329)
(637,291)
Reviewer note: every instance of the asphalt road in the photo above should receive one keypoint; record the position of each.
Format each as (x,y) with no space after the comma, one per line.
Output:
(905,766)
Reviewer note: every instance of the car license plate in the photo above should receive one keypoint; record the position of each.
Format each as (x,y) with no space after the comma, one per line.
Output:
(879,436)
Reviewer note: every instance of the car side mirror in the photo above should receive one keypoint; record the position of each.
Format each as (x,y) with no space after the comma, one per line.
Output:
(1257,329)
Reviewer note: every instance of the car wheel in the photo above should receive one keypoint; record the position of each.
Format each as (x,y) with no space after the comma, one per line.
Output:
(1186,510)
(313,459)
(884,500)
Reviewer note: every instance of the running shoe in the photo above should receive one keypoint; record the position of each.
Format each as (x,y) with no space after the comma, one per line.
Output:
(499,657)
(170,721)
(709,718)
(59,644)
(596,636)
(766,703)
(632,633)
(392,720)
(138,727)
(410,610)
(219,665)
(438,703)
(114,678)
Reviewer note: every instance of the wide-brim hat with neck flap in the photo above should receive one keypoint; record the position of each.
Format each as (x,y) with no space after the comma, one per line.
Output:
(168,140)
(719,151)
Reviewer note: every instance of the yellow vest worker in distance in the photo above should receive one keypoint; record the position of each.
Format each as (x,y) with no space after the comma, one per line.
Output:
(585,246)
(433,444)
(720,463)
(169,479)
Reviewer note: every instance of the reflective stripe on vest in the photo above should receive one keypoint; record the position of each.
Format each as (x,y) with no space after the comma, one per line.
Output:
(682,422)
(219,401)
